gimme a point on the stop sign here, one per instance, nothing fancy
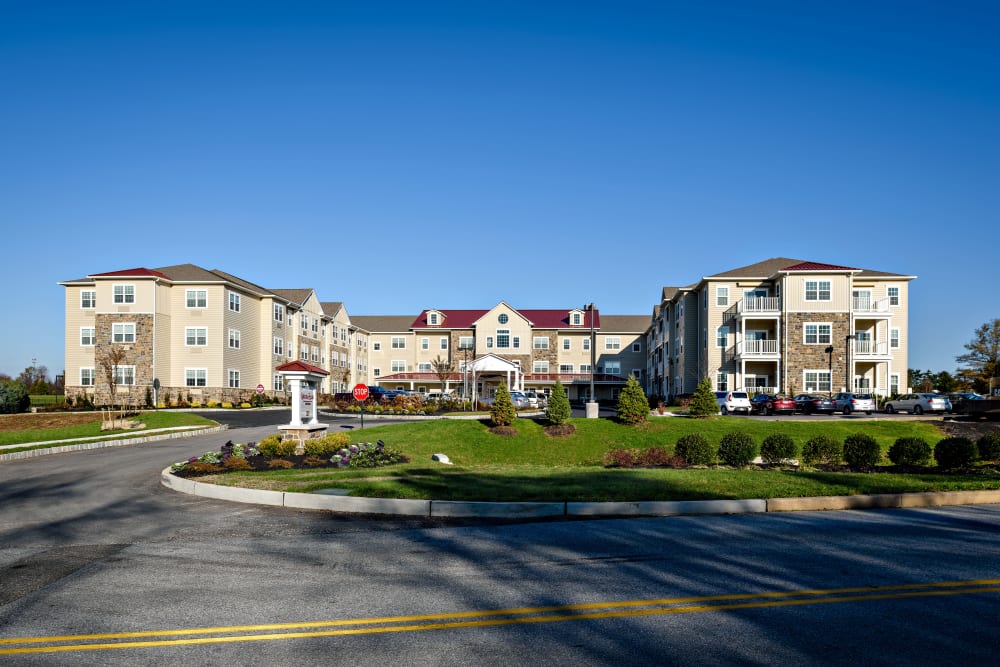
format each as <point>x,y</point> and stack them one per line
<point>360,391</point>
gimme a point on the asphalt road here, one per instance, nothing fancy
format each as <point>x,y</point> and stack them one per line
<point>95,551</point>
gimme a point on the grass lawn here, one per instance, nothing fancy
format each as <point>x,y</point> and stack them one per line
<point>532,466</point>
<point>29,428</point>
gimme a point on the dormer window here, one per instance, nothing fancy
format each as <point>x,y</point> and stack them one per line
<point>433,319</point>
<point>576,318</point>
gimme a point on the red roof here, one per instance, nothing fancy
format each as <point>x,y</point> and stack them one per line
<point>140,272</point>
<point>816,266</point>
<point>301,367</point>
<point>531,378</point>
<point>540,319</point>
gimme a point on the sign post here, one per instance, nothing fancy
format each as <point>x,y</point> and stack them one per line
<point>361,394</point>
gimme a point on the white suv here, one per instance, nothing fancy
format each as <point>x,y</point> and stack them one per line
<point>733,402</point>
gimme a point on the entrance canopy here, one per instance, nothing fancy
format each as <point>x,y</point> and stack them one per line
<point>491,364</point>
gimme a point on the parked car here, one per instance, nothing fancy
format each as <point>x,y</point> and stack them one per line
<point>519,399</point>
<point>536,399</point>
<point>959,400</point>
<point>809,404</point>
<point>917,404</point>
<point>772,404</point>
<point>731,402</point>
<point>848,402</point>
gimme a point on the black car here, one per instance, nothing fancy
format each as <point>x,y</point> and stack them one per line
<point>809,404</point>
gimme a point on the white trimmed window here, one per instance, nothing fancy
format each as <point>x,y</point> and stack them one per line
<point>489,342</point>
<point>424,367</point>
<point>722,337</point>
<point>288,348</point>
<point>817,381</point>
<point>399,342</point>
<point>279,313</point>
<point>303,321</point>
<point>721,381</point>
<point>315,325</point>
<point>540,342</point>
<point>87,377</point>
<point>425,343</point>
<point>234,378</point>
<point>432,319</point>
<point>304,352</point>
<point>124,375</point>
<point>516,342</point>
<point>893,383</point>
<point>234,302</point>
<point>398,366</point>
<point>817,290</point>
<point>612,343</point>
<point>722,295</point>
<point>817,333</point>
<point>88,336</point>
<point>613,367</point>
<point>195,336</point>
<point>196,298</point>
<point>637,346</point>
<point>444,342</point>
<point>278,382</point>
<point>123,332</point>
<point>376,372</point>
<point>567,368</point>
<point>503,338</point>
<point>376,346</point>
<point>893,292</point>
<point>195,377</point>
<point>466,342</point>
<point>539,366</point>
<point>894,338</point>
<point>584,368</point>
<point>124,293</point>
<point>88,298</point>
<point>567,344</point>
<point>577,319</point>
<point>586,344</point>
<point>234,339</point>
<point>279,346</point>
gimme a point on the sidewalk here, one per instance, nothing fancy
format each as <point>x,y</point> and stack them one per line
<point>81,444</point>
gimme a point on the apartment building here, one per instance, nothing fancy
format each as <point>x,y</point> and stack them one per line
<point>473,351</point>
<point>189,333</point>
<point>782,325</point>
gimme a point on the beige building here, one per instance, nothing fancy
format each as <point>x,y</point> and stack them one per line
<point>782,325</point>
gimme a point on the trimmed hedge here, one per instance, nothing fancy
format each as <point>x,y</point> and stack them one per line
<point>777,447</point>
<point>989,447</point>
<point>861,451</point>
<point>910,452</point>
<point>822,449</point>
<point>737,449</point>
<point>955,453</point>
<point>695,449</point>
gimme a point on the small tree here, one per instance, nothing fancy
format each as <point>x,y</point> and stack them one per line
<point>502,412</point>
<point>633,406</point>
<point>703,403</point>
<point>442,368</point>
<point>109,364</point>
<point>13,397</point>
<point>558,410</point>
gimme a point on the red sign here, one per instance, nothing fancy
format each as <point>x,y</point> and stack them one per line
<point>361,391</point>
<point>260,389</point>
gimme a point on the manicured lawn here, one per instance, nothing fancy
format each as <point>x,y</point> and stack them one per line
<point>29,428</point>
<point>532,466</point>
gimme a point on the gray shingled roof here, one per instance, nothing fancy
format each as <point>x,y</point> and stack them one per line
<point>297,296</point>
<point>382,323</point>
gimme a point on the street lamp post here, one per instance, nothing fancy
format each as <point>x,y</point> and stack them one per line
<point>829,351</point>
<point>592,404</point>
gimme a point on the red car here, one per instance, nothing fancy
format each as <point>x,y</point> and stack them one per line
<point>771,404</point>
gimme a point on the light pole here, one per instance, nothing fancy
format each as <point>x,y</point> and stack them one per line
<point>592,405</point>
<point>829,351</point>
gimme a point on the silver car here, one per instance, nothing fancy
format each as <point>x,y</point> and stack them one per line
<point>917,404</point>
<point>848,402</point>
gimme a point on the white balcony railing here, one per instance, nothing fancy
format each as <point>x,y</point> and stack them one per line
<point>871,348</point>
<point>865,304</point>
<point>758,304</point>
<point>757,348</point>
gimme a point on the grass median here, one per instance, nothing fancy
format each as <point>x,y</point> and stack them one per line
<point>531,466</point>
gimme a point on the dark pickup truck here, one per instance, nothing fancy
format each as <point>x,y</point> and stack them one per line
<point>985,409</point>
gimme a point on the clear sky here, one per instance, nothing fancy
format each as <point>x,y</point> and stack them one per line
<point>398,156</point>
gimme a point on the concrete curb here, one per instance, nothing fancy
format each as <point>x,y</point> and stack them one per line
<point>82,446</point>
<point>529,510</point>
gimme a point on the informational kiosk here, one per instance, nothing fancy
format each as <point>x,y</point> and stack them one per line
<point>303,381</point>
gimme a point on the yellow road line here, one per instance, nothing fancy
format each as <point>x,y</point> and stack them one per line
<point>521,615</point>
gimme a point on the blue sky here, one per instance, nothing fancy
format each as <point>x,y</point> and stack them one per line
<point>400,156</point>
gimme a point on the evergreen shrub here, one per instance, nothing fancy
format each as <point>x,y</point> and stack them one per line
<point>909,452</point>
<point>695,449</point>
<point>737,449</point>
<point>989,447</point>
<point>822,449</point>
<point>861,451</point>
<point>777,447</point>
<point>955,452</point>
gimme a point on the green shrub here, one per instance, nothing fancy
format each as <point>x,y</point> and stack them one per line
<point>558,410</point>
<point>633,406</point>
<point>327,445</point>
<point>989,447</point>
<point>273,445</point>
<point>502,412</point>
<point>737,449</point>
<point>822,449</point>
<point>910,452</point>
<point>778,447</point>
<point>14,397</point>
<point>861,451</point>
<point>703,403</point>
<point>955,453</point>
<point>369,455</point>
<point>695,449</point>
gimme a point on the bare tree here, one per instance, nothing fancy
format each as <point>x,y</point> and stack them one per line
<point>443,368</point>
<point>109,363</point>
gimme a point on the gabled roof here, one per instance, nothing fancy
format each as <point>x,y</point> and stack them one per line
<point>331,308</point>
<point>297,297</point>
<point>301,367</point>
<point>131,273</point>
<point>539,319</point>
<point>185,273</point>
<point>382,323</point>
<point>769,268</point>
<point>816,266</point>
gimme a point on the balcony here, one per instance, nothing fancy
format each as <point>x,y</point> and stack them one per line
<point>865,305</point>
<point>755,306</point>
<point>757,349</point>
<point>866,350</point>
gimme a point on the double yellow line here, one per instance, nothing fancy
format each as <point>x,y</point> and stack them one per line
<point>486,618</point>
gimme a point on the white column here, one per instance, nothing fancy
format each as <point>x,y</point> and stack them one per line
<point>295,387</point>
